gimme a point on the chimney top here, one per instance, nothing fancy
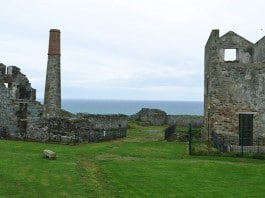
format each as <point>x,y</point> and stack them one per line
<point>54,30</point>
<point>54,42</point>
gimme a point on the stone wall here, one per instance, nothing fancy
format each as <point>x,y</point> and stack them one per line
<point>259,51</point>
<point>185,120</point>
<point>104,127</point>
<point>151,116</point>
<point>233,87</point>
<point>17,83</point>
<point>81,128</point>
<point>106,122</point>
<point>60,129</point>
<point>17,102</point>
<point>158,117</point>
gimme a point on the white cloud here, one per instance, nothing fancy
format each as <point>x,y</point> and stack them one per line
<point>145,49</point>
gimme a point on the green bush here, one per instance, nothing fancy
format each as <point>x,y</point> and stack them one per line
<point>204,148</point>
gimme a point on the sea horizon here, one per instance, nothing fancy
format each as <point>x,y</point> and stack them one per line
<point>130,107</point>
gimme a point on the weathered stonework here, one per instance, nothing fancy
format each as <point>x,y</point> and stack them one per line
<point>52,97</point>
<point>17,103</point>
<point>151,116</point>
<point>21,116</point>
<point>77,129</point>
<point>234,88</point>
<point>106,122</point>
<point>185,120</point>
<point>158,117</point>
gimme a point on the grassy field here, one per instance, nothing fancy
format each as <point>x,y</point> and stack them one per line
<point>141,165</point>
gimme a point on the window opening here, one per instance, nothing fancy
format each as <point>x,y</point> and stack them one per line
<point>230,55</point>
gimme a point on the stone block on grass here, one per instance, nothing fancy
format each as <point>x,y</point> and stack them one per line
<point>49,154</point>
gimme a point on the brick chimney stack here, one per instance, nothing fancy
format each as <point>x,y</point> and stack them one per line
<point>54,42</point>
<point>52,96</point>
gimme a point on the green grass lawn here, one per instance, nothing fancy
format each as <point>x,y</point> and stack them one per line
<point>141,165</point>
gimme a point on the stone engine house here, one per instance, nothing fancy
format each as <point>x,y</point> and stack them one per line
<point>234,87</point>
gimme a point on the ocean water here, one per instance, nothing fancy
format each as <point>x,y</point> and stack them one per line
<point>130,107</point>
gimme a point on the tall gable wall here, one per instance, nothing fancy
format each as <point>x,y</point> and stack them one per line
<point>234,87</point>
<point>259,51</point>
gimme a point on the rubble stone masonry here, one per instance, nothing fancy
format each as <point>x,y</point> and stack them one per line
<point>22,117</point>
<point>52,97</point>
<point>234,87</point>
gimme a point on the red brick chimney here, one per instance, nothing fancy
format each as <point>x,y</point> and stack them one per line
<point>54,42</point>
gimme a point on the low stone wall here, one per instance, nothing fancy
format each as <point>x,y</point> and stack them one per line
<point>66,130</point>
<point>185,120</point>
<point>82,128</point>
<point>107,122</point>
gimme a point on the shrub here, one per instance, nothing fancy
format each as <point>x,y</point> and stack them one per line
<point>204,148</point>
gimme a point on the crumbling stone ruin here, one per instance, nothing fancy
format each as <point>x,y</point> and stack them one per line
<point>151,116</point>
<point>158,117</point>
<point>22,117</point>
<point>18,106</point>
<point>234,88</point>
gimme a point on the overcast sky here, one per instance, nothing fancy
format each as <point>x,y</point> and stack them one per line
<point>123,49</point>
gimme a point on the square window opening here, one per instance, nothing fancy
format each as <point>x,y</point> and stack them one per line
<point>230,55</point>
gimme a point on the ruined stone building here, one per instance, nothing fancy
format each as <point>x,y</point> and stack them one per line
<point>234,87</point>
<point>18,105</point>
<point>22,117</point>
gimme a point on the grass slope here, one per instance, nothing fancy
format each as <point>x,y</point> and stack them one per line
<point>141,165</point>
